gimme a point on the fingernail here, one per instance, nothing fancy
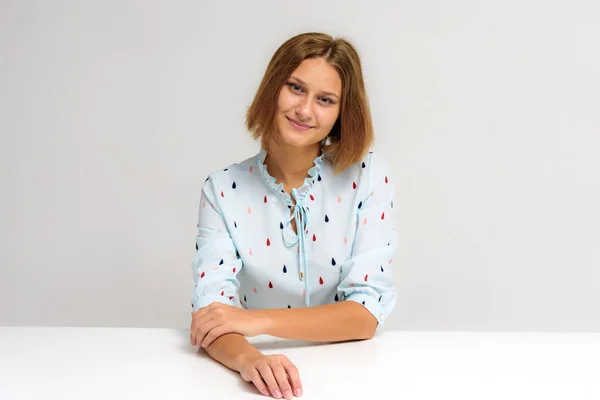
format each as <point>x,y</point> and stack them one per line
<point>287,394</point>
<point>277,393</point>
<point>298,392</point>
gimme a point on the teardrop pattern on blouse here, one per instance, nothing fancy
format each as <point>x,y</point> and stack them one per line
<point>323,227</point>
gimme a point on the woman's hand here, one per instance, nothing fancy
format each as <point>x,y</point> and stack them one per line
<point>272,375</point>
<point>216,319</point>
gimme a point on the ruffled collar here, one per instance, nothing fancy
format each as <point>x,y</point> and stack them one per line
<point>299,193</point>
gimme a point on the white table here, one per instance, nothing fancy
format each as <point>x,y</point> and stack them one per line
<point>135,363</point>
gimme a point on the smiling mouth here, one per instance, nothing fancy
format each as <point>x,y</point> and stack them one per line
<point>298,125</point>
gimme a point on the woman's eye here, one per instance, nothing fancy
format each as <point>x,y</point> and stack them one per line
<point>295,87</point>
<point>327,100</point>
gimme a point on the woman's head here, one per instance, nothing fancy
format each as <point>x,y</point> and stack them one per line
<point>316,81</point>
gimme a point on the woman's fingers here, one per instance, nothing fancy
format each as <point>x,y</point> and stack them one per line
<point>282,380</point>
<point>294,377</point>
<point>214,333</point>
<point>273,375</point>
<point>257,379</point>
<point>267,375</point>
<point>193,333</point>
<point>201,330</point>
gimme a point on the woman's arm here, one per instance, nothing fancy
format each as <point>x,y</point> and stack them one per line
<point>230,350</point>
<point>346,320</point>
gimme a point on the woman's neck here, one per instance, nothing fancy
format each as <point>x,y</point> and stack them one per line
<point>290,165</point>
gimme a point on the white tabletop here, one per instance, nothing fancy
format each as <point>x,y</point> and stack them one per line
<point>135,363</point>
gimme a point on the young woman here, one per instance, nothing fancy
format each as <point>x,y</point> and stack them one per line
<point>301,234</point>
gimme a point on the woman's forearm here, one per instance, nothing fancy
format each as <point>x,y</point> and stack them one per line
<point>337,322</point>
<point>230,350</point>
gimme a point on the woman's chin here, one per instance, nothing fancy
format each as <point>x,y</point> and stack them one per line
<point>296,139</point>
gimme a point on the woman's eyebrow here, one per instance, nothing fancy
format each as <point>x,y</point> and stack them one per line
<point>304,83</point>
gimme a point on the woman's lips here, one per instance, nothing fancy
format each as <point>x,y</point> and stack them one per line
<point>297,126</point>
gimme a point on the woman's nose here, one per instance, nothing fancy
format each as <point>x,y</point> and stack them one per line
<point>303,110</point>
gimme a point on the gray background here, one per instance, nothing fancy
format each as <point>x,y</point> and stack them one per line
<point>112,113</point>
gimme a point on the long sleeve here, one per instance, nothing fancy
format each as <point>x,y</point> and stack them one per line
<point>216,263</point>
<point>367,276</point>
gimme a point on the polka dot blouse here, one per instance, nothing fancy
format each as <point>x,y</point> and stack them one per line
<point>247,253</point>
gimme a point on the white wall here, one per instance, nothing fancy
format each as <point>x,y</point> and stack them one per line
<point>112,113</point>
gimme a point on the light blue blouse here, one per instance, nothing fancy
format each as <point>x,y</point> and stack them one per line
<point>248,254</point>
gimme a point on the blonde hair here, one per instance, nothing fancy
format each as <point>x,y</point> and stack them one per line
<point>352,134</point>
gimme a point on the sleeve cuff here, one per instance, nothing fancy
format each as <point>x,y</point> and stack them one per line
<point>199,303</point>
<point>372,305</point>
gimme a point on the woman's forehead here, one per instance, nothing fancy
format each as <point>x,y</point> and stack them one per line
<point>319,75</point>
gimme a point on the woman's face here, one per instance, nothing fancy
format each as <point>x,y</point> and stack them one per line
<point>308,104</point>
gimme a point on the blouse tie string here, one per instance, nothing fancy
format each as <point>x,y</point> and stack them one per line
<point>301,217</point>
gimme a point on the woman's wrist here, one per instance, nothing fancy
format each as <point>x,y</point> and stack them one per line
<point>246,356</point>
<point>265,321</point>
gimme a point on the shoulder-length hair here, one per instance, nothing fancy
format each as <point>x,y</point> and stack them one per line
<point>352,134</point>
